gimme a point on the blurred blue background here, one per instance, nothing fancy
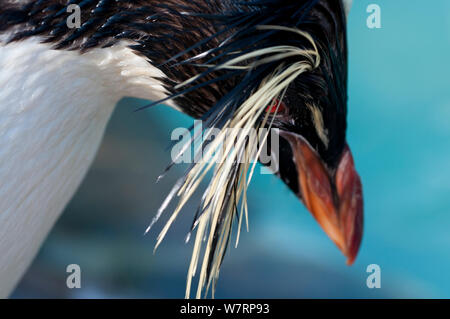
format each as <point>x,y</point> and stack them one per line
<point>399,132</point>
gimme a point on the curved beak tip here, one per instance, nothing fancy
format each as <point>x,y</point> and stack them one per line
<point>336,202</point>
<point>351,260</point>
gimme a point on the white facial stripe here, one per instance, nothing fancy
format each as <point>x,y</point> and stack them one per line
<point>317,118</point>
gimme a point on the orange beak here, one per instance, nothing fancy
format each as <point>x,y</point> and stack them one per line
<point>335,200</point>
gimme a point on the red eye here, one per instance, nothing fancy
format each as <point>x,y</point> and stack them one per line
<point>272,108</point>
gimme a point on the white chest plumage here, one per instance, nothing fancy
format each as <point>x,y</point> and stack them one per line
<point>54,106</point>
